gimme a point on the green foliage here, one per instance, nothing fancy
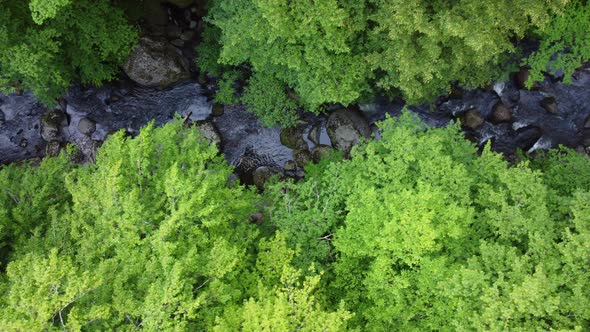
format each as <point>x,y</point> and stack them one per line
<point>47,45</point>
<point>208,52</point>
<point>565,44</point>
<point>28,196</point>
<point>285,300</point>
<point>146,239</point>
<point>265,96</point>
<point>227,92</point>
<point>334,51</point>
<point>418,232</point>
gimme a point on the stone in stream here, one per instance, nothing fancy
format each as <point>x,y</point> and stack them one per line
<point>501,113</point>
<point>314,133</point>
<point>86,126</point>
<point>51,124</point>
<point>319,152</point>
<point>549,104</point>
<point>302,157</point>
<point>262,174</point>
<point>210,132</point>
<point>218,110</point>
<point>156,63</point>
<point>187,35</point>
<point>290,166</point>
<point>527,137</point>
<point>472,119</point>
<point>346,128</point>
<point>293,138</point>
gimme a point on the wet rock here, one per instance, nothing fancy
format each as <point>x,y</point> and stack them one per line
<point>293,138</point>
<point>51,124</point>
<point>527,137</point>
<point>302,157</point>
<point>156,63</point>
<point>218,110</point>
<point>262,174</point>
<point>501,113</point>
<point>549,104</point>
<point>290,166</point>
<point>319,152</point>
<point>53,148</point>
<point>86,126</point>
<point>587,124</point>
<point>314,133</point>
<point>177,42</point>
<point>187,35</point>
<point>346,128</point>
<point>210,132</point>
<point>2,118</point>
<point>472,119</point>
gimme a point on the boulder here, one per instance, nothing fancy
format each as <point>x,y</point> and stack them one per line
<point>51,124</point>
<point>210,132</point>
<point>549,104</point>
<point>314,133</point>
<point>346,128</point>
<point>156,63</point>
<point>262,174</point>
<point>293,138</point>
<point>501,113</point>
<point>302,157</point>
<point>86,126</point>
<point>472,119</point>
<point>290,166</point>
<point>218,109</point>
<point>319,152</point>
<point>187,35</point>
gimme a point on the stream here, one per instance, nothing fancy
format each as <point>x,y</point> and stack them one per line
<point>553,114</point>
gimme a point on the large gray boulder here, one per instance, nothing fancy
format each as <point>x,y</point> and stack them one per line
<point>346,128</point>
<point>156,63</point>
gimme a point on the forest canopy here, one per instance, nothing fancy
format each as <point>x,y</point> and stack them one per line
<point>278,57</point>
<point>416,231</point>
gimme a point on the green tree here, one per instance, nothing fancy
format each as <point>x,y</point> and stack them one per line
<point>49,44</point>
<point>335,51</point>
<point>418,232</point>
<point>565,44</point>
<point>147,239</point>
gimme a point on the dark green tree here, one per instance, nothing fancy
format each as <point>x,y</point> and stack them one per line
<point>336,51</point>
<point>49,44</point>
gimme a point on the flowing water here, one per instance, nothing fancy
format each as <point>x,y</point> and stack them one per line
<point>123,105</point>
